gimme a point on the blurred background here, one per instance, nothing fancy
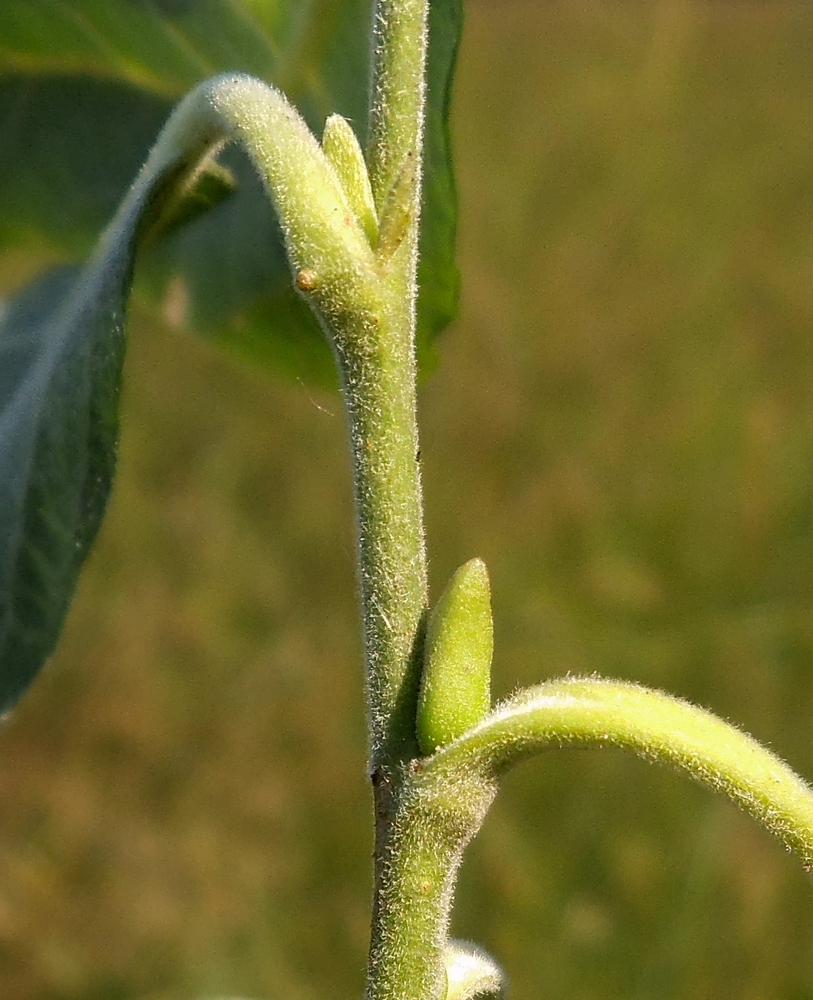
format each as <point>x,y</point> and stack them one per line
<point>620,424</point>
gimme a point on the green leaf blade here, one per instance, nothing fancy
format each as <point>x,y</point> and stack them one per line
<point>438,275</point>
<point>61,357</point>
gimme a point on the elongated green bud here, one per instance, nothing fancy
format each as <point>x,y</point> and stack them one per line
<point>343,151</point>
<point>456,683</point>
<point>396,212</point>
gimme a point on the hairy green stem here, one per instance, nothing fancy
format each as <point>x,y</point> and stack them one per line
<point>323,238</point>
<point>379,390</point>
<point>398,89</point>
<point>590,712</point>
<point>383,422</point>
<point>379,382</point>
<point>434,821</point>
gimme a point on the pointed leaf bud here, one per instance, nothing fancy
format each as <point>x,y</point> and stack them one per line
<point>343,151</point>
<point>456,683</point>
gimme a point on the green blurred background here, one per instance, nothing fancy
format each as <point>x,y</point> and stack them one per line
<point>621,425</point>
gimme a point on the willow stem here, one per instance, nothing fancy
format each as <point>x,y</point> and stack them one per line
<point>379,379</point>
<point>379,383</point>
<point>592,712</point>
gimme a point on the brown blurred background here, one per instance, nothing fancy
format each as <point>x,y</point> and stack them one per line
<point>621,425</point>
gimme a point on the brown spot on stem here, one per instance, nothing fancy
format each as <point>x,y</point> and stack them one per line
<point>306,280</point>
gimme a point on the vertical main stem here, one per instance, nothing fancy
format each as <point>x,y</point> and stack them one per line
<point>379,381</point>
<point>380,386</point>
<point>398,89</point>
<point>379,390</point>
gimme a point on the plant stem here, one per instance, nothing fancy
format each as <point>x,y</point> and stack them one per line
<point>398,89</point>
<point>435,819</point>
<point>379,379</point>
<point>593,712</point>
<point>378,371</point>
<point>379,390</point>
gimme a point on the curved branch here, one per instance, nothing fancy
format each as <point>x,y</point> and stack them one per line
<point>330,256</point>
<point>591,712</point>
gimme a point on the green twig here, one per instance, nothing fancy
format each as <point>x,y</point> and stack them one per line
<point>379,381</point>
<point>589,712</point>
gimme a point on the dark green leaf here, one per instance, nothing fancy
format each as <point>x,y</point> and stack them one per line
<point>59,384</point>
<point>84,88</point>
<point>438,277</point>
<point>61,353</point>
